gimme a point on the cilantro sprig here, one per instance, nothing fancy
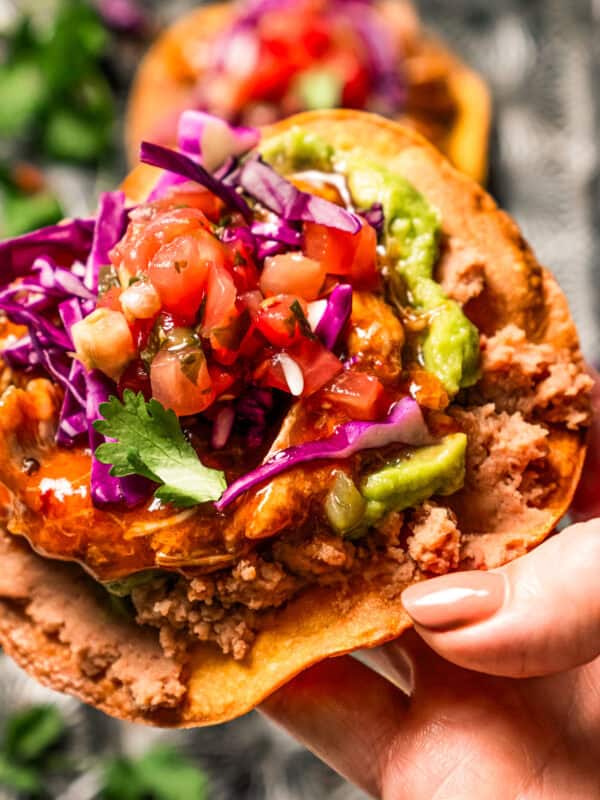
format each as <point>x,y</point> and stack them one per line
<point>148,441</point>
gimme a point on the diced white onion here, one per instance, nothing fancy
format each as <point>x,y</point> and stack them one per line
<point>222,427</point>
<point>140,301</point>
<point>293,374</point>
<point>315,313</point>
<point>103,341</point>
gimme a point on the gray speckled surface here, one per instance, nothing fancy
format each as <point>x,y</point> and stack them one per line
<point>542,59</point>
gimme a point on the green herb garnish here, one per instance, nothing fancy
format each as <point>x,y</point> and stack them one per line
<point>149,442</point>
<point>160,774</point>
<point>30,739</point>
<point>303,323</point>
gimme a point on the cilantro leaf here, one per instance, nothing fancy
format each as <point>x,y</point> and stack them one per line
<point>149,442</point>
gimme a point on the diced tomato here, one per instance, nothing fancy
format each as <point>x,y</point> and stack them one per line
<point>221,295</point>
<point>222,379</point>
<point>243,269</point>
<point>144,238</point>
<point>136,378</point>
<point>278,323</point>
<point>226,341</point>
<point>110,299</point>
<point>141,330</point>
<point>194,196</point>
<point>357,83</point>
<point>316,39</point>
<point>292,273</point>
<point>251,301</point>
<point>358,394</point>
<point>270,373</point>
<point>181,381</point>
<point>318,364</point>
<point>252,342</point>
<point>341,253</point>
<point>180,272</point>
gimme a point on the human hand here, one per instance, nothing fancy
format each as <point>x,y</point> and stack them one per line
<point>494,695</point>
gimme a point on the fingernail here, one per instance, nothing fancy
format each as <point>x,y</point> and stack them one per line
<point>456,600</point>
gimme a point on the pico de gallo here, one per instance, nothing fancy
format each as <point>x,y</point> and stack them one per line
<point>224,299</point>
<point>278,58</point>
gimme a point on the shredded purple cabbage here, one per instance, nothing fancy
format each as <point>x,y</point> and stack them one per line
<point>277,231</point>
<point>277,194</point>
<point>68,242</point>
<point>107,490</point>
<point>240,234</point>
<point>389,87</point>
<point>180,164</point>
<point>269,247</point>
<point>404,424</point>
<point>123,16</point>
<point>20,354</point>
<point>375,217</point>
<point>252,409</point>
<point>336,316</point>
<point>111,223</point>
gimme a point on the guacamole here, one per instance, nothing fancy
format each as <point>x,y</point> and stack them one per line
<point>451,344</point>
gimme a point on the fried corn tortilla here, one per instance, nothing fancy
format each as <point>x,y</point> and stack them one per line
<point>525,418</point>
<point>446,101</point>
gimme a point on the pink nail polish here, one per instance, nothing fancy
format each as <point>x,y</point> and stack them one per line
<point>455,600</point>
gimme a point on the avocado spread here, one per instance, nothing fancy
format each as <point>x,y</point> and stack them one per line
<point>416,475</point>
<point>450,345</point>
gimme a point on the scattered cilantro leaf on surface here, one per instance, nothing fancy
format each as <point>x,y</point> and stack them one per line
<point>29,749</point>
<point>161,774</point>
<point>31,733</point>
<point>19,778</point>
<point>149,442</point>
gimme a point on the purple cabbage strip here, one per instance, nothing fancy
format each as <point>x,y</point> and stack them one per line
<point>336,315</point>
<point>46,332</point>
<point>70,241</point>
<point>253,408</point>
<point>111,223</point>
<point>280,196</point>
<point>375,217</point>
<point>123,16</point>
<point>21,354</point>
<point>107,490</point>
<point>54,359</point>
<point>72,421</point>
<point>268,248</point>
<point>278,231</point>
<point>404,424</point>
<point>180,164</point>
<point>384,64</point>
<point>57,281</point>
<point>230,235</point>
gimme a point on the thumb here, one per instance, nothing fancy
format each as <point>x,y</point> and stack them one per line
<point>536,616</point>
